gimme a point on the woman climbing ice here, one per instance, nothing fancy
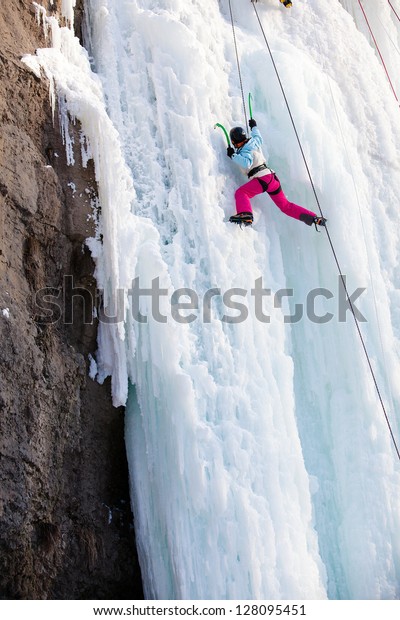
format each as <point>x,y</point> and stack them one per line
<point>250,158</point>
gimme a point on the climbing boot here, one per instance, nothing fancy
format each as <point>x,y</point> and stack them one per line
<point>286,3</point>
<point>243,219</point>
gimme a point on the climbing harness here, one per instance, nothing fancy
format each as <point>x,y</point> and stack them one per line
<point>266,185</point>
<point>341,276</point>
<point>254,171</point>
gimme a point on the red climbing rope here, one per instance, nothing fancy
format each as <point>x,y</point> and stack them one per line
<point>394,10</point>
<point>377,47</point>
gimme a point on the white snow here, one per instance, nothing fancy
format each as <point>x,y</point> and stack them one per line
<point>260,459</point>
<point>6,313</point>
<point>33,64</point>
<point>67,10</point>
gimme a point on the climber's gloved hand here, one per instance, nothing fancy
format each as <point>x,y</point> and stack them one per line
<point>230,151</point>
<point>252,123</point>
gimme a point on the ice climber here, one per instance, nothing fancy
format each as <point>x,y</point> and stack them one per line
<point>250,159</point>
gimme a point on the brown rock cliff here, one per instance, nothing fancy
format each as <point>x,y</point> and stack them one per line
<point>65,523</point>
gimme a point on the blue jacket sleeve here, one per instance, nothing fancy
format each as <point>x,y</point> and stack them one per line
<point>244,159</point>
<point>257,137</point>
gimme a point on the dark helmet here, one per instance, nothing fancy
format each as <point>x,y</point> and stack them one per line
<point>237,135</point>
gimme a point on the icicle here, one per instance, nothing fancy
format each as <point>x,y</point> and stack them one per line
<point>86,151</point>
<point>67,10</point>
<point>41,18</point>
<point>68,140</point>
<point>55,32</point>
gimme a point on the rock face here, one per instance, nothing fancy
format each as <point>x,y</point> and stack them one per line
<point>65,522</point>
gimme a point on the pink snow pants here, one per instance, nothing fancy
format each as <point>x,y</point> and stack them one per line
<point>253,188</point>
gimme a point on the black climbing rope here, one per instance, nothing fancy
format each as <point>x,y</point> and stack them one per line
<point>342,277</point>
<point>238,64</point>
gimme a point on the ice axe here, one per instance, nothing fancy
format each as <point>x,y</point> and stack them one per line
<point>225,132</point>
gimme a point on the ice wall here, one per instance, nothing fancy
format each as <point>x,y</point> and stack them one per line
<point>261,463</point>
